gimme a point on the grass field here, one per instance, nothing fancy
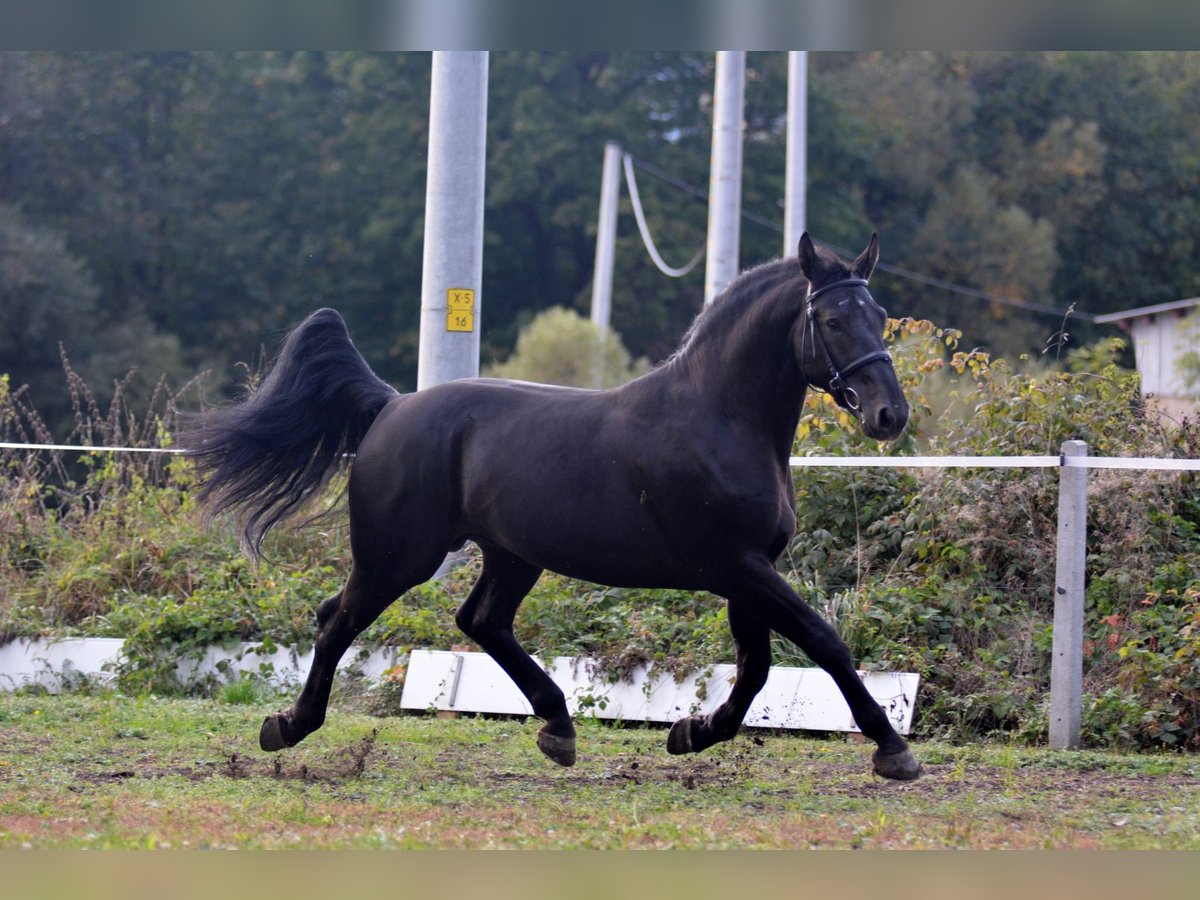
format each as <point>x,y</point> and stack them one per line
<point>108,771</point>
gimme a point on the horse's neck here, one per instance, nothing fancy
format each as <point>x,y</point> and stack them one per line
<point>750,375</point>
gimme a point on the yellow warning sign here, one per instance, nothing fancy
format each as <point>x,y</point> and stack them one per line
<point>460,309</point>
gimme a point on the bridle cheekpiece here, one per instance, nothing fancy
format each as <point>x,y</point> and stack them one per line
<point>844,394</point>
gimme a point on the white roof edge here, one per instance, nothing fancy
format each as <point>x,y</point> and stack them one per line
<point>1147,310</point>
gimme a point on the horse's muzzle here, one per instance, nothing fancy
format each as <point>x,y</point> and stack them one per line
<point>884,421</point>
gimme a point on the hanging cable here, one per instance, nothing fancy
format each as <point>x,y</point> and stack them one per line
<point>640,215</point>
<point>899,272</point>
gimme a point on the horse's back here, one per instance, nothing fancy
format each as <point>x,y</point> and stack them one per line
<point>459,441</point>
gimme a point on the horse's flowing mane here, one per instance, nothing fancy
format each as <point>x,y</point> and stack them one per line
<point>731,309</point>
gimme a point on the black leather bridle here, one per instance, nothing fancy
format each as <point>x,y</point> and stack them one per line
<point>845,395</point>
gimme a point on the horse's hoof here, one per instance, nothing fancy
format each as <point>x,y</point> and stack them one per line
<point>902,766</point>
<point>682,738</point>
<point>559,749</point>
<point>273,735</point>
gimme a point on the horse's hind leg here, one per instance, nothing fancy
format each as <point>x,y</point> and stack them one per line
<point>487,618</point>
<point>752,640</point>
<point>340,619</point>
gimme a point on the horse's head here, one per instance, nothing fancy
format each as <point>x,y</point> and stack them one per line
<point>840,340</point>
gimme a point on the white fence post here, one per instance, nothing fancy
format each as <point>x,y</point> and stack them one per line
<point>1066,668</point>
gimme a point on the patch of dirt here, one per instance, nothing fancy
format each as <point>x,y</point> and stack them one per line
<point>346,764</point>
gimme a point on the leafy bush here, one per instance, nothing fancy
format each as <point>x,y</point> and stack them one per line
<point>110,545</point>
<point>950,573</point>
<point>624,628</point>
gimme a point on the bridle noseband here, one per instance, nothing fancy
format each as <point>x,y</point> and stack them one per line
<point>842,392</point>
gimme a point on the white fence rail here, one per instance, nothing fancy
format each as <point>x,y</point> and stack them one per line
<point>1064,461</point>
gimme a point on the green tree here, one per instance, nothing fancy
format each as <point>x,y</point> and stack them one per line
<point>971,237</point>
<point>49,299</point>
<point>216,198</point>
<point>46,296</point>
<point>1101,147</point>
<point>1115,135</point>
<point>549,117</point>
<point>562,347</point>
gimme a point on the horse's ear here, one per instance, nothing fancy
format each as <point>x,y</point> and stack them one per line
<point>808,256</point>
<point>865,264</point>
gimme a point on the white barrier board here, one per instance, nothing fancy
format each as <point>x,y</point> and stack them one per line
<point>472,682</point>
<point>50,664</point>
<point>53,664</point>
<point>794,698</point>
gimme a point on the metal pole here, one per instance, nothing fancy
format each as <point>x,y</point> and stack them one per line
<point>794,211</point>
<point>606,236</point>
<point>725,174</point>
<point>1066,667</point>
<point>453,261</point>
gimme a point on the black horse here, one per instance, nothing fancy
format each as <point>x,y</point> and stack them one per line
<point>678,479</point>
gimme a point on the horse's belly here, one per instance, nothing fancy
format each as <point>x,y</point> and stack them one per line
<point>576,539</point>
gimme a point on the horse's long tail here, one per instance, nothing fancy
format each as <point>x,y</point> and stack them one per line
<point>266,457</point>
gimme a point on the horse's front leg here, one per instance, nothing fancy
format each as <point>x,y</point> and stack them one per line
<point>765,593</point>
<point>752,642</point>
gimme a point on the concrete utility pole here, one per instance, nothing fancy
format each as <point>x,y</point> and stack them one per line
<point>725,174</point>
<point>794,211</point>
<point>453,263</point>
<point>606,236</point>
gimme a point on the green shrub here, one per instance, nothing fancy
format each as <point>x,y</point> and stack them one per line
<point>950,573</point>
<point>623,628</point>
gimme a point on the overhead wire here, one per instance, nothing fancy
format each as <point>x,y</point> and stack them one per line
<point>898,271</point>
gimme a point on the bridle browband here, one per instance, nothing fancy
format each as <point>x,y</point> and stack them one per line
<point>842,392</point>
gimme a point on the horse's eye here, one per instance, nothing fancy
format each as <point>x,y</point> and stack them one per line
<point>834,324</point>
